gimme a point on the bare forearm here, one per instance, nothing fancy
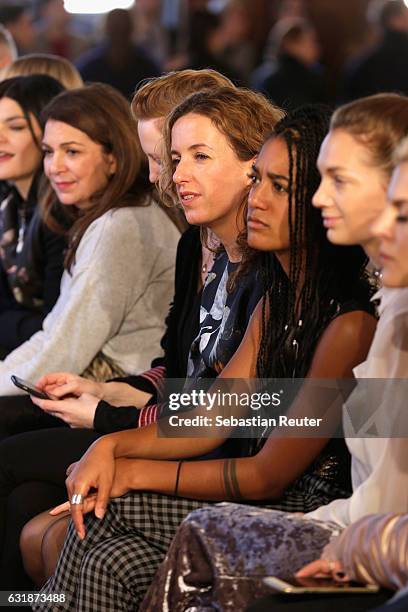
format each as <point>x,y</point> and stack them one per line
<point>146,443</point>
<point>215,480</point>
<point>265,475</point>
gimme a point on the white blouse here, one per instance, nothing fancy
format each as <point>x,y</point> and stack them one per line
<point>379,467</point>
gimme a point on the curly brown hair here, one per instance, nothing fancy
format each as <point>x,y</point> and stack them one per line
<point>244,117</point>
<point>157,97</point>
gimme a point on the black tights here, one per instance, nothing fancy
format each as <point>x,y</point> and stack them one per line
<point>18,414</point>
<point>32,479</point>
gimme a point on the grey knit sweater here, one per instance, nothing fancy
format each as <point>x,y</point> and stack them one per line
<point>114,300</point>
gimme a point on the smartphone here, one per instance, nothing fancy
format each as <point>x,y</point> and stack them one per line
<point>314,586</point>
<point>30,388</point>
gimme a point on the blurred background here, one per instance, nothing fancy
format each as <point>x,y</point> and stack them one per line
<point>295,51</point>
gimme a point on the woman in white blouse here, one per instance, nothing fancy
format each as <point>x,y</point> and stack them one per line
<point>373,549</point>
<point>379,464</point>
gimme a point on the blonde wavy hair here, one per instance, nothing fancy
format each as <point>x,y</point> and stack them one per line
<point>42,63</point>
<point>378,122</point>
<point>401,152</point>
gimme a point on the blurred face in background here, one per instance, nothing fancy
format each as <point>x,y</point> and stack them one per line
<point>23,32</point>
<point>305,47</point>
<point>392,231</point>
<point>54,13</point>
<point>352,192</point>
<point>151,139</point>
<point>6,56</point>
<point>399,21</point>
<point>148,7</point>
<point>291,8</point>
<point>20,155</point>
<point>78,168</point>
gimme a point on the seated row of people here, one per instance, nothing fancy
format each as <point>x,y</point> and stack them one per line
<point>76,441</point>
<point>220,554</point>
<point>99,199</point>
<point>282,300</point>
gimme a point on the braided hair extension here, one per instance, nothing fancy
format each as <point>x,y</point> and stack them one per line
<point>294,317</point>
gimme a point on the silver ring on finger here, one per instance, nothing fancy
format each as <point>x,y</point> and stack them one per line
<point>76,499</point>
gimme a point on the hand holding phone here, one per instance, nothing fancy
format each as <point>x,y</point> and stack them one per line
<point>315,586</point>
<point>30,388</point>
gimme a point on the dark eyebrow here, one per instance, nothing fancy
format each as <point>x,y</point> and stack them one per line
<point>64,144</point>
<point>71,142</point>
<point>280,177</point>
<point>399,203</point>
<point>15,117</point>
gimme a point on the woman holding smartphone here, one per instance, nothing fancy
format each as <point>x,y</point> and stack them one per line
<point>117,328</point>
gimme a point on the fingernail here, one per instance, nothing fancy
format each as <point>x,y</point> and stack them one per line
<point>99,513</point>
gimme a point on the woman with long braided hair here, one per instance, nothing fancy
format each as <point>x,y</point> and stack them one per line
<point>111,563</point>
<point>308,284</point>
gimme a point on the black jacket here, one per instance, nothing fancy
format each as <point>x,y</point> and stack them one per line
<point>292,84</point>
<point>182,324</point>
<point>18,321</point>
<point>383,70</point>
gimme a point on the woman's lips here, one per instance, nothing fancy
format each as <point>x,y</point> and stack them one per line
<point>330,221</point>
<point>5,157</point>
<point>255,223</point>
<point>385,257</point>
<point>187,197</point>
<point>63,186</point>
